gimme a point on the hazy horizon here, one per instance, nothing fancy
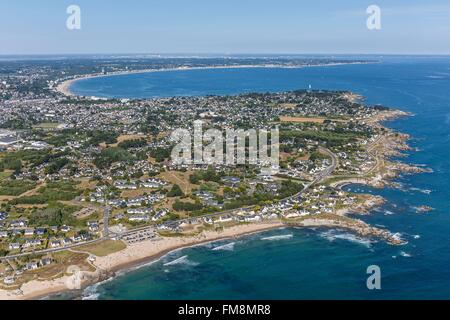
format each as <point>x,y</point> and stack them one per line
<point>285,27</point>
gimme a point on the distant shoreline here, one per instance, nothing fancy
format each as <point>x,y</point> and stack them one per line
<point>64,86</point>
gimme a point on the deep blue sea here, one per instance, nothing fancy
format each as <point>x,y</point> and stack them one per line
<point>306,263</point>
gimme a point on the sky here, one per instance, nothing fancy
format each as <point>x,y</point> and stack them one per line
<point>225,27</point>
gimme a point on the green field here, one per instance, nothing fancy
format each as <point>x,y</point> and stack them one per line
<point>104,248</point>
<point>46,126</point>
<point>15,187</point>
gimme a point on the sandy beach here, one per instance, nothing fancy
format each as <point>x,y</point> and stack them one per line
<point>64,87</point>
<point>133,256</point>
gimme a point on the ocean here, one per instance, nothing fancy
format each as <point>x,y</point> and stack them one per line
<point>315,263</point>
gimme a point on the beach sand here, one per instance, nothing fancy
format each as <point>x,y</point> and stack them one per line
<point>151,250</point>
<point>64,87</point>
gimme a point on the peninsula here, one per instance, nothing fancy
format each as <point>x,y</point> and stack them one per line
<point>88,187</point>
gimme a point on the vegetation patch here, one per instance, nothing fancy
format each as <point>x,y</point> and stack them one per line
<point>110,155</point>
<point>51,192</point>
<point>15,187</point>
<point>104,248</point>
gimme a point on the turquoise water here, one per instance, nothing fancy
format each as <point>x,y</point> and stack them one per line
<point>313,264</point>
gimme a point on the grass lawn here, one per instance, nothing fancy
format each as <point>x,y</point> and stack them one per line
<point>15,187</point>
<point>4,175</point>
<point>179,178</point>
<point>104,248</point>
<point>302,119</point>
<point>46,126</point>
<point>63,260</point>
<point>125,137</point>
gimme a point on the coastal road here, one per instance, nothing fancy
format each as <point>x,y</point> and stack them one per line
<point>52,250</point>
<point>370,151</point>
<point>106,214</point>
<point>324,174</point>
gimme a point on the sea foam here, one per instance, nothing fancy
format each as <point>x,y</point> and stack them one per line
<point>226,247</point>
<point>182,260</point>
<point>404,254</point>
<point>276,238</point>
<point>333,235</point>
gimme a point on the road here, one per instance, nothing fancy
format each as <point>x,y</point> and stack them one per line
<point>53,250</point>
<point>106,214</point>
<point>370,150</point>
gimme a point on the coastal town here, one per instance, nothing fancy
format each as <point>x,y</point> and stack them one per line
<point>89,182</point>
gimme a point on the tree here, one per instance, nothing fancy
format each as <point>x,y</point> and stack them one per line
<point>175,192</point>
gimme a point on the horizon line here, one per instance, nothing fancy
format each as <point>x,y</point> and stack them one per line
<point>224,54</point>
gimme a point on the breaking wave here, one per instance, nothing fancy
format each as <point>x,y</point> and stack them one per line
<point>398,236</point>
<point>90,293</point>
<point>405,254</point>
<point>182,260</point>
<point>424,191</point>
<point>276,238</point>
<point>333,235</point>
<point>226,247</point>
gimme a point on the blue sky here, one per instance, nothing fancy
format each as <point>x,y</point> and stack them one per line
<point>224,26</point>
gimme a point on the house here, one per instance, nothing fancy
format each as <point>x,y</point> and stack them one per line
<point>9,139</point>
<point>153,183</point>
<point>14,246</point>
<point>3,216</point>
<point>46,261</point>
<point>18,224</point>
<point>139,218</point>
<point>84,236</point>
<point>29,232</point>
<point>252,219</point>
<point>117,202</point>
<point>208,220</point>
<point>119,216</point>
<point>140,210</point>
<point>8,280</point>
<point>32,243</point>
<point>226,218</point>
<point>31,266</point>
<point>3,234</point>
<point>160,214</point>
<point>93,226</point>
<point>137,202</point>
<point>123,185</point>
<point>65,229</point>
<point>231,181</point>
<point>41,231</point>
<point>16,232</point>
<point>55,243</point>
<point>205,195</point>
